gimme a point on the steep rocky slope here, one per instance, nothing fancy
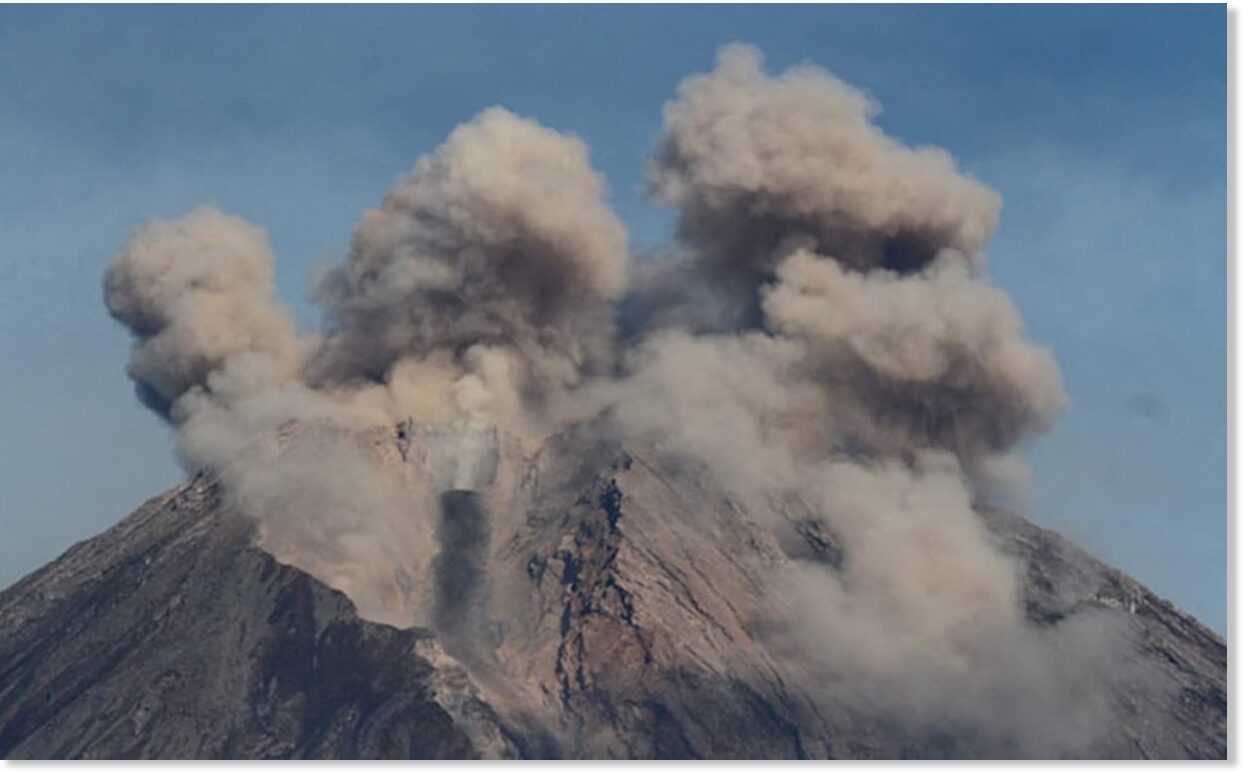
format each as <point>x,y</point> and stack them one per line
<point>170,636</point>
<point>620,612</point>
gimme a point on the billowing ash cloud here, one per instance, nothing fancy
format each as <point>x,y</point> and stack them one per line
<point>814,226</point>
<point>758,165</point>
<point>197,294</point>
<point>931,359</point>
<point>818,334</point>
<point>497,241</point>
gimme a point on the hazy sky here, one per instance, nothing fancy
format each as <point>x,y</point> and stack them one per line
<point>1104,129</point>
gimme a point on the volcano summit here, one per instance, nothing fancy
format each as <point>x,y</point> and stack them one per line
<point>623,610</point>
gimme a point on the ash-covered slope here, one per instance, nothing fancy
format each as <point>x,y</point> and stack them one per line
<point>1186,715</point>
<point>171,636</point>
<point>615,608</point>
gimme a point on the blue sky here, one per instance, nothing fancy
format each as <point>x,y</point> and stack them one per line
<point>1104,129</point>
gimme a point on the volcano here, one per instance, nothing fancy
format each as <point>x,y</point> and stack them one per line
<point>525,494</point>
<point>590,602</point>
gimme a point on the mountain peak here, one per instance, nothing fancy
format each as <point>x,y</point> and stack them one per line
<point>587,601</point>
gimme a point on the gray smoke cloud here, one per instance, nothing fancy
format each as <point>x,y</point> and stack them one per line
<point>197,294</point>
<point>460,572</point>
<point>931,359</point>
<point>329,501</point>
<point>820,333</point>
<point>497,242</point>
<point>481,287</point>
<point>820,336</point>
<point>758,165</point>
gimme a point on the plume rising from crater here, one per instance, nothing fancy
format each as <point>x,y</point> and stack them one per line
<point>817,358</point>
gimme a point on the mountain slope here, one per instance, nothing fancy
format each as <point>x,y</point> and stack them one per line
<point>170,636</point>
<point>622,613</point>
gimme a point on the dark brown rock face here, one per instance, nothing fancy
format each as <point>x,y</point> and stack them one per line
<point>172,635</point>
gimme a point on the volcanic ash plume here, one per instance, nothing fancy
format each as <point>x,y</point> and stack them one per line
<point>819,334</point>
<point>932,359</point>
<point>197,294</point>
<point>850,359</point>
<point>496,257</point>
<point>818,229</point>
<point>758,165</point>
<point>481,288</point>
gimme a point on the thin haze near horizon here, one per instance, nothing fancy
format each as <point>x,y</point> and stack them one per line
<point>1102,128</point>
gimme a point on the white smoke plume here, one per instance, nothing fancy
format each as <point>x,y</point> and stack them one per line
<point>819,333</point>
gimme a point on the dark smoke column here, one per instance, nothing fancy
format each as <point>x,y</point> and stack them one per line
<point>458,612</point>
